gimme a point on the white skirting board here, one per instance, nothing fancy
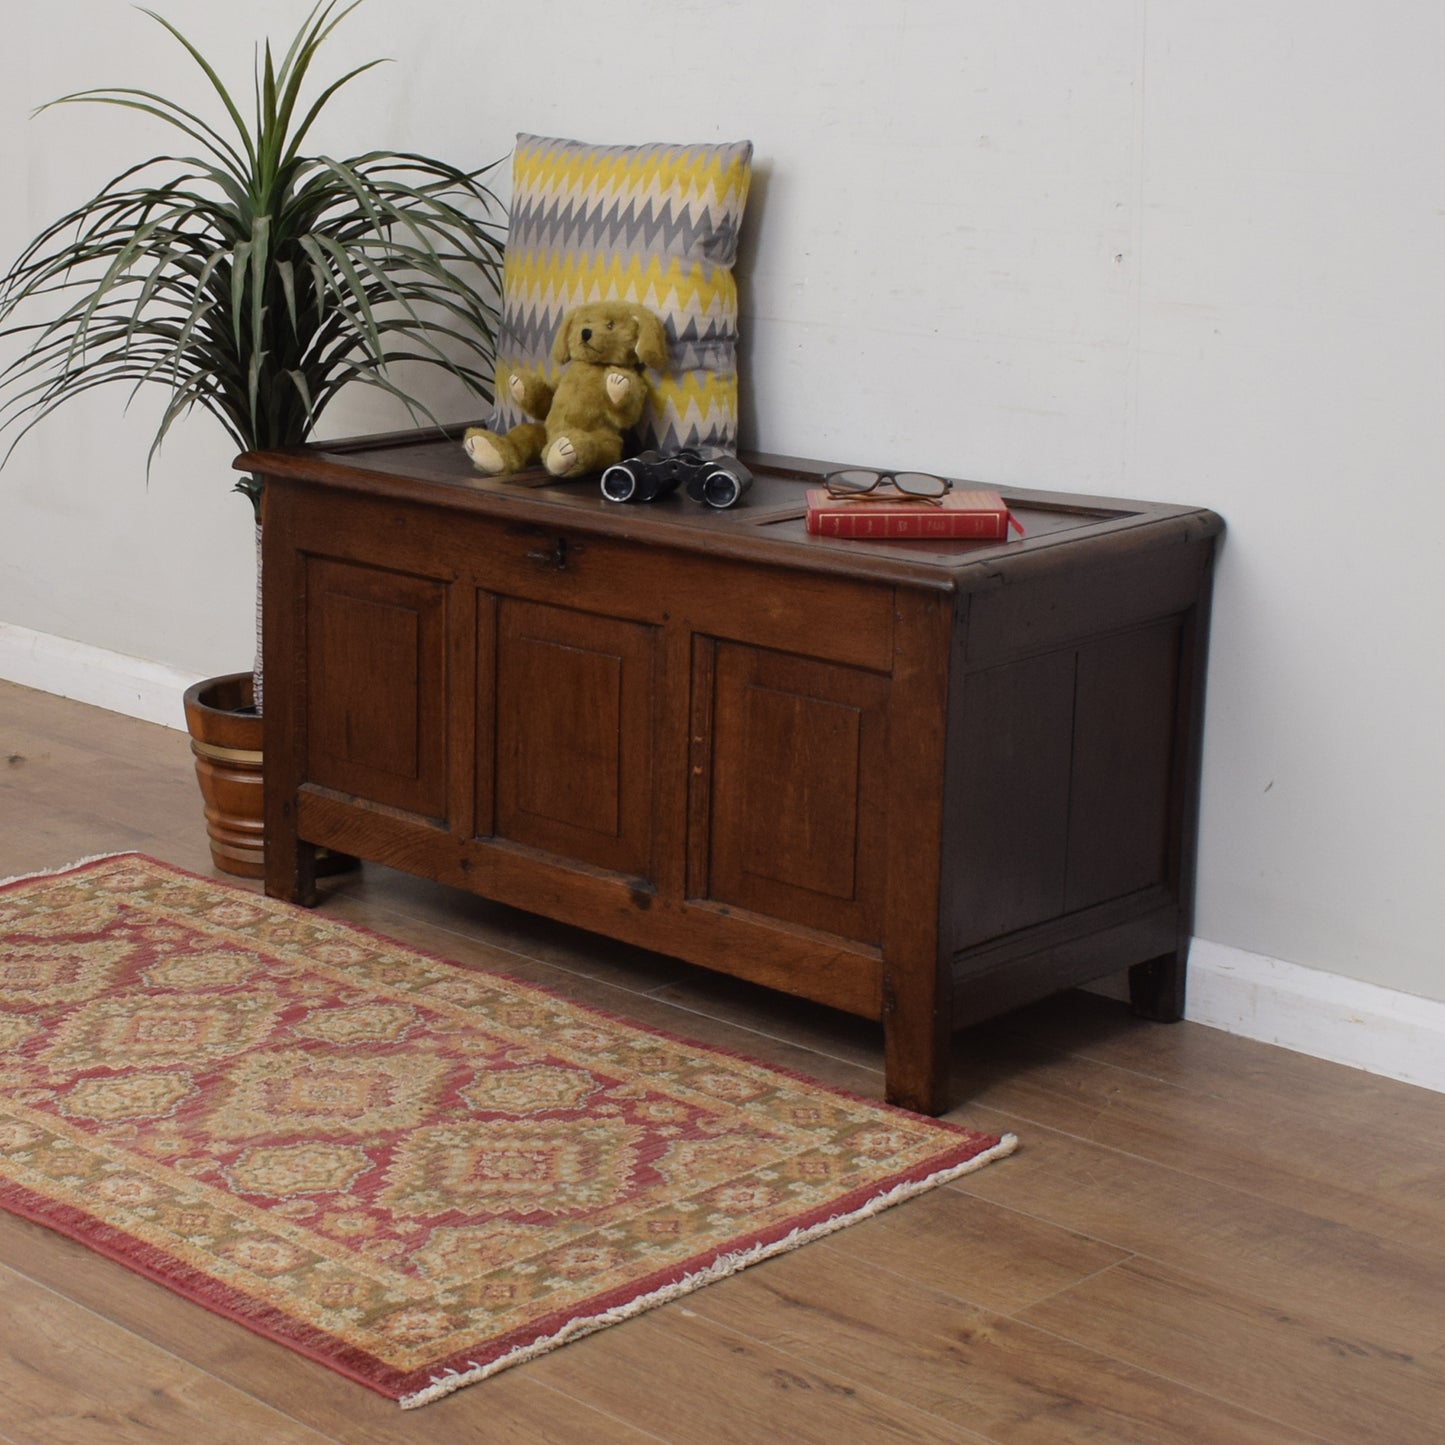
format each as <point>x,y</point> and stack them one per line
<point>1312,1012</point>
<point>128,685</point>
<point>1325,1015</point>
<point>1380,1030</point>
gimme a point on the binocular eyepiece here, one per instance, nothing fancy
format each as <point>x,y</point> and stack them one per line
<point>711,476</point>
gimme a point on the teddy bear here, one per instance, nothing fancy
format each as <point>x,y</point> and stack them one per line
<point>604,348</point>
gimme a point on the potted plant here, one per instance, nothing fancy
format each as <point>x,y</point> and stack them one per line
<point>253,281</point>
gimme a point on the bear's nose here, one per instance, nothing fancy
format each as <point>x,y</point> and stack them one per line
<point>587,333</point>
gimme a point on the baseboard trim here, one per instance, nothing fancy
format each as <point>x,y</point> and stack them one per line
<point>110,680</point>
<point>1381,1030</point>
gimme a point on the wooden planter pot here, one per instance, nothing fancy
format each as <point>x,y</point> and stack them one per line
<point>226,740</point>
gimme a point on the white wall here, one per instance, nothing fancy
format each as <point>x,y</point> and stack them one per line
<point>1190,250</point>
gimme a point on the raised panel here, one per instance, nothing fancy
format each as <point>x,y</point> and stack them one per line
<point>800,828</point>
<point>1007,803</point>
<point>797,805</point>
<point>574,720</point>
<point>375,685</point>
<point>1059,794</point>
<point>1124,729</point>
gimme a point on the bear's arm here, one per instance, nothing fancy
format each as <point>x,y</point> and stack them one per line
<point>625,395</point>
<point>532,393</point>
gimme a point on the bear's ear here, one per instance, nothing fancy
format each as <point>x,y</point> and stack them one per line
<point>651,343</point>
<point>562,343</point>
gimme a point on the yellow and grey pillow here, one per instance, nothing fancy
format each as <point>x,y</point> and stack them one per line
<point>653,224</point>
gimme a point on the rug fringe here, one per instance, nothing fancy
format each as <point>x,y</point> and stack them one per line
<point>720,1268</point>
<point>69,867</point>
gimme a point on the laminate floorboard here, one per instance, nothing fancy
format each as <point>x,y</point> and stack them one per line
<point>1200,1238</point>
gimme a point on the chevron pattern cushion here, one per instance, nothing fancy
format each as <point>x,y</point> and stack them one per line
<point>656,225</point>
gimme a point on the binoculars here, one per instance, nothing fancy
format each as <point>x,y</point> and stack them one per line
<point>711,477</point>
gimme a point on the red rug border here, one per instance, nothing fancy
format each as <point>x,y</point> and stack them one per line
<point>971,1149</point>
<point>152,1263</point>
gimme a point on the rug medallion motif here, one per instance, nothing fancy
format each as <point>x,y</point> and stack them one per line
<point>410,1171</point>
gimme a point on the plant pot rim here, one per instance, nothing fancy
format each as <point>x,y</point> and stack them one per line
<point>229,694</point>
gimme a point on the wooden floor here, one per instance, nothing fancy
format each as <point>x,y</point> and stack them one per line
<point>1200,1238</point>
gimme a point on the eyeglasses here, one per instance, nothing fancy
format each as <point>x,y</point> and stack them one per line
<point>862,484</point>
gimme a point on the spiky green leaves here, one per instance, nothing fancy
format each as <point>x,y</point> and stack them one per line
<point>248,279</point>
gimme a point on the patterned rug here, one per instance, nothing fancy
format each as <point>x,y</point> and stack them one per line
<point>412,1172</point>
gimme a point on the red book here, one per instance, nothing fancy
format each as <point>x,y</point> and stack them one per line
<point>980,514</point>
